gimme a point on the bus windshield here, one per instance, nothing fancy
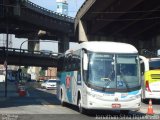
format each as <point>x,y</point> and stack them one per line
<point>113,72</point>
<point>154,64</point>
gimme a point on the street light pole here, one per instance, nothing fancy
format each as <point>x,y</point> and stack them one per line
<point>29,41</point>
<point>20,52</point>
<point>19,71</point>
<point>6,58</point>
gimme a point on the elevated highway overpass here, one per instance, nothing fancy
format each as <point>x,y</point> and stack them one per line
<point>131,21</point>
<point>28,20</point>
<point>24,57</point>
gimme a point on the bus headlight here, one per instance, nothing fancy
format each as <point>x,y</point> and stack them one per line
<point>136,96</point>
<point>94,95</point>
<point>90,94</point>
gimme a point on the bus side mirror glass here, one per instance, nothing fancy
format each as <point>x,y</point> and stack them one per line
<point>85,62</point>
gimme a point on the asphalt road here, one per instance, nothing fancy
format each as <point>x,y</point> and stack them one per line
<point>41,104</point>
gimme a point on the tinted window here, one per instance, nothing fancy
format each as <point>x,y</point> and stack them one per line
<point>154,65</point>
<point>51,81</point>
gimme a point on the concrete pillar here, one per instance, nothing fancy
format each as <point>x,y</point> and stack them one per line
<point>34,46</point>
<point>150,45</point>
<point>63,44</point>
<point>157,42</point>
<point>82,32</point>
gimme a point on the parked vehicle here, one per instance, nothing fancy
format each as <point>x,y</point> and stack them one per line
<point>49,84</point>
<point>43,83</point>
<point>150,68</point>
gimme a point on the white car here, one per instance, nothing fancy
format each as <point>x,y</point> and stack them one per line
<point>49,84</point>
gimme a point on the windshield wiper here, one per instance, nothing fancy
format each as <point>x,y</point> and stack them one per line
<point>96,87</point>
<point>107,80</point>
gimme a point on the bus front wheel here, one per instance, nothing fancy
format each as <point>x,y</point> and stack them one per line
<point>81,109</point>
<point>62,99</point>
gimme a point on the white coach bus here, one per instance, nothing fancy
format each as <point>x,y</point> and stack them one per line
<point>101,76</point>
<point>150,68</point>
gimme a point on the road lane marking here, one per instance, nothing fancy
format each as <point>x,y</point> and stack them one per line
<point>45,103</point>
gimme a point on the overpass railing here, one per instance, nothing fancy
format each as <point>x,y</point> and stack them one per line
<point>22,51</point>
<point>47,12</point>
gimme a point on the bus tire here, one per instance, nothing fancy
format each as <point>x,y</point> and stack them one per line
<point>62,99</point>
<point>143,99</point>
<point>80,108</point>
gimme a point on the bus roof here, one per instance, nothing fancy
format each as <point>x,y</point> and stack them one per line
<point>105,46</point>
<point>150,58</point>
<point>154,59</point>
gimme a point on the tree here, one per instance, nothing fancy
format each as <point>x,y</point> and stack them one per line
<point>42,72</point>
<point>24,70</point>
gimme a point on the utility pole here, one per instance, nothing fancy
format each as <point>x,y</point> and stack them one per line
<point>6,57</point>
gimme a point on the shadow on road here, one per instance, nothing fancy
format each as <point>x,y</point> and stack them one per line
<point>154,101</point>
<point>108,114</point>
<point>34,97</point>
<point>37,96</point>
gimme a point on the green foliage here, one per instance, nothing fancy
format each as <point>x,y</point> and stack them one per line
<point>42,72</point>
<point>24,70</point>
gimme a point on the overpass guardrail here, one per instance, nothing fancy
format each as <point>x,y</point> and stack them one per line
<point>25,51</point>
<point>47,12</point>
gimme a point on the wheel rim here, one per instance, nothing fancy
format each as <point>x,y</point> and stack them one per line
<point>79,106</point>
<point>61,98</point>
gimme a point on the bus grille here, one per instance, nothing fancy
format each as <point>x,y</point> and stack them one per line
<point>155,76</point>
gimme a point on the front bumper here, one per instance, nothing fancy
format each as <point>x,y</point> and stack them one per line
<point>152,95</point>
<point>94,103</point>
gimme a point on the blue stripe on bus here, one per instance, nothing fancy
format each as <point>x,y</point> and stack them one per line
<point>133,92</point>
<point>129,93</point>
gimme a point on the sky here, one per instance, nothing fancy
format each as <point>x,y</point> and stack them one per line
<point>73,6</point>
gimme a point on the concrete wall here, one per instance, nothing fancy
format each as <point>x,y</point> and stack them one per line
<point>151,45</point>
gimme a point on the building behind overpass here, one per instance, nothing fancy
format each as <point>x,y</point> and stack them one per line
<point>3,40</point>
<point>51,72</point>
<point>62,7</point>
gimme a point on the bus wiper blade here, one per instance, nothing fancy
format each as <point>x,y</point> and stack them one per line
<point>107,80</point>
<point>96,87</point>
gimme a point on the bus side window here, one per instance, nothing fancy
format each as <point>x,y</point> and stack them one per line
<point>142,68</point>
<point>77,64</point>
<point>65,64</point>
<point>60,64</point>
<point>72,64</point>
<point>68,63</point>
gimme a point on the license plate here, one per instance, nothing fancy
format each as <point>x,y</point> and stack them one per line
<point>116,105</point>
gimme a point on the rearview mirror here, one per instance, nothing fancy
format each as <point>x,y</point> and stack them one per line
<point>85,61</point>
